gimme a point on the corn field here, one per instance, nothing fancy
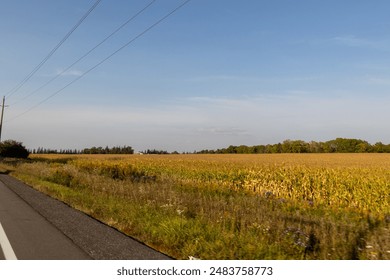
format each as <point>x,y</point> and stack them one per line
<point>334,184</point>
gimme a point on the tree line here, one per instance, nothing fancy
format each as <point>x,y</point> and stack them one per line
<point>93,150</point>
<point>100,150</point>
<point>338,145</point>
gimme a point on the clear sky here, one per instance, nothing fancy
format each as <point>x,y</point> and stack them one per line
<point>215,73</point>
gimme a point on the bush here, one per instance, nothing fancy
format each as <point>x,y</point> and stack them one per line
<point>11,148</point>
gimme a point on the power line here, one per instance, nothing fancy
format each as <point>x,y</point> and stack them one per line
<point>87,53</point>
<point>28,77</point>
<point>104,60</point>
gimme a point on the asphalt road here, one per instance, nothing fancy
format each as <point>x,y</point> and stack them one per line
<point>34,226</point>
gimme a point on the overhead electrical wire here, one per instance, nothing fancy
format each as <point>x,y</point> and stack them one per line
<point>87,53</point>
<point>104,60</point>
<point>50,54</point>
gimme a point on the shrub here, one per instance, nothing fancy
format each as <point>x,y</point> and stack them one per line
<point>14,149</point>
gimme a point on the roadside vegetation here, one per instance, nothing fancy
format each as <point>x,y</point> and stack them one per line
<point>279,206</point>
<point>13,149</point>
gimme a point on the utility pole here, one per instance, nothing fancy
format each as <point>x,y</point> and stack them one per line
<point>2,115</point>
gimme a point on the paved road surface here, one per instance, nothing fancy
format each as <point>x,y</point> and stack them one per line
<point>39,227</point>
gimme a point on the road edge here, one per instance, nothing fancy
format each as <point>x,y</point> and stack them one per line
<point>100,241</point>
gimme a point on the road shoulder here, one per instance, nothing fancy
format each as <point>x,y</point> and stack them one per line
<point>98,240</point>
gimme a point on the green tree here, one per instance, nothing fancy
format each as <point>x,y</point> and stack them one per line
<point>13,149</point>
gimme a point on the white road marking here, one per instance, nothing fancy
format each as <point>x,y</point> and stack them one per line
<point>6,246</point>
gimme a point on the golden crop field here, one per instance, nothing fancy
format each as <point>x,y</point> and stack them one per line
<point>273,206</point>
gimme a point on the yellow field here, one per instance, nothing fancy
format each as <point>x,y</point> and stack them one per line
<point>356,181</point>
<point>331,160</point>
<point>312,206</point>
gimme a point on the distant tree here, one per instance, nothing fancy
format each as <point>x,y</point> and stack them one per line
<point>242,149</point>
<point>13,149</point>
<point>315,147</point>
<point>363,148</point>
<point>155,152</point>
<point>259,149</point>
<point>379,147</point>
<point>346,145</point>
<point>287,146</point>
<point>231,150</point>
<point>338,145</point>
<point>299,146</point>
<point>107,150</point>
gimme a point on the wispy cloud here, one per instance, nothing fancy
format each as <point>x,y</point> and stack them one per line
<point>352,41</point>
<point>379,81</point>
<point>228,131</point>
<point>358,42</point>
<point>251,102</point>
<point>221,101</point>
<point>120,116</point>
<point>215,78</point>
<point>237,78</point>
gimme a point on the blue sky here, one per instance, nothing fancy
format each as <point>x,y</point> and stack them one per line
<point>215,73</point>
